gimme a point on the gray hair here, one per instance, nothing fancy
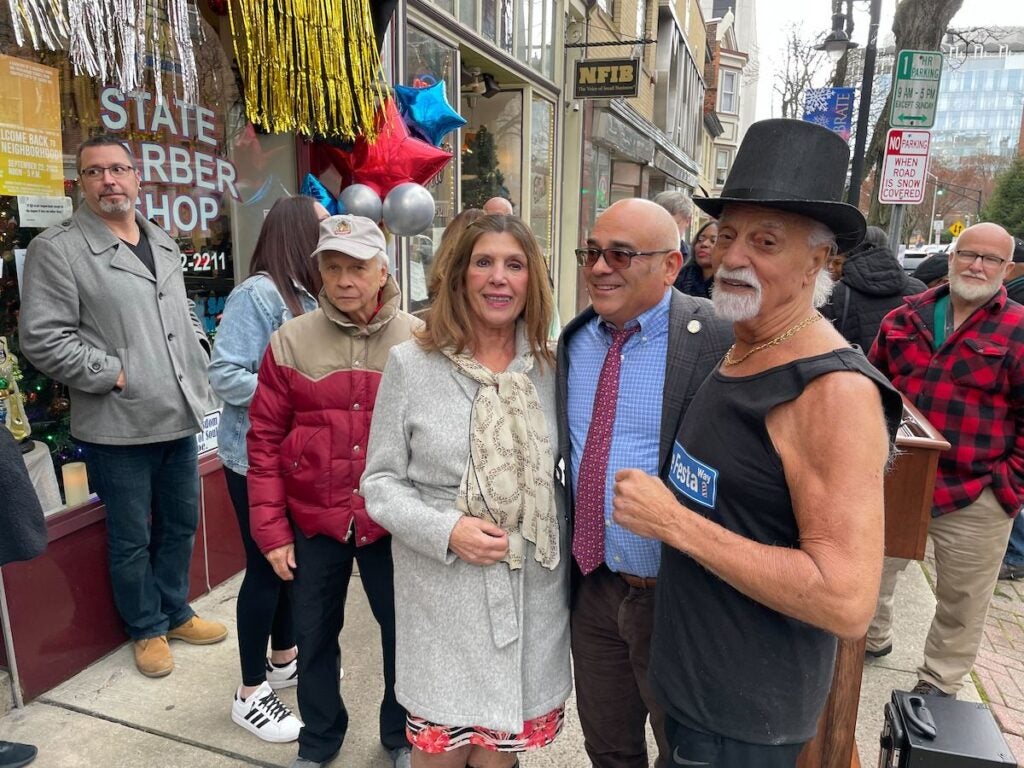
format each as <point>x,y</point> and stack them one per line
<point>821,235</point>
<point>675,201</point>
<point>381,258</point>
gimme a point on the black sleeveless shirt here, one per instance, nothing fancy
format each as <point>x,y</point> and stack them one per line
<point>721,662</point>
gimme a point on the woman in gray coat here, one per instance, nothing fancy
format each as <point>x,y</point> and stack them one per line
<point>460,469</point>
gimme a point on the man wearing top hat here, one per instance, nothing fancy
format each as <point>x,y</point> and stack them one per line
<point>771,506</point>
<point>310,417</point>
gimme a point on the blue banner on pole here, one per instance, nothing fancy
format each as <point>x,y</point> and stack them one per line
<point>830,107</point>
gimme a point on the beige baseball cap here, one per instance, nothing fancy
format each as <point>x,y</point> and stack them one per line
<point>355,236</point>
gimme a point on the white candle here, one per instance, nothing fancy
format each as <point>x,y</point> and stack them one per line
<point>76,483</point>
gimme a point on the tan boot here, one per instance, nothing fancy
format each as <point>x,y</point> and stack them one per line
<point>199,632</point>
<point>153,657</point>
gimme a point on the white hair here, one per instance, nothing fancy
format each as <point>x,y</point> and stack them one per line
<point>821,235</point>
<point>381,258</point>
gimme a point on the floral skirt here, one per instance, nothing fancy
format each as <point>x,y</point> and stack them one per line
<point>435,739</point>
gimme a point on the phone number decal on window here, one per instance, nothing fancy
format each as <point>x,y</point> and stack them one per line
<point>203,261</point>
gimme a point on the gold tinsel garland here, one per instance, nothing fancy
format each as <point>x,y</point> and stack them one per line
<point>310,66</point>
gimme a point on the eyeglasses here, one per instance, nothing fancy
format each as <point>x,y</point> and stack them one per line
<point>968,257</point>
<point>94,172</point>
<point>615,258</point>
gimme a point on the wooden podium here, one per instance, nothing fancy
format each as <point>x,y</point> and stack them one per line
<point>908,505</point>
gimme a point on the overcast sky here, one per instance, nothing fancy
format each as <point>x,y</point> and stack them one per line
<point>775,16</point>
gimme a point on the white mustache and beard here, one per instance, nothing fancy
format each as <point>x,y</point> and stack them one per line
<point>970,291</point>
<point>736,307</point>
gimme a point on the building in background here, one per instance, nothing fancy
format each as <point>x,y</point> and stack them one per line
<point>631,146</point>
<point>725,94</point>
<point>981,98</point>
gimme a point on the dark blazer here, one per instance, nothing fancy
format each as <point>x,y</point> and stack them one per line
<point>691,357</point>
<point>22,529</point>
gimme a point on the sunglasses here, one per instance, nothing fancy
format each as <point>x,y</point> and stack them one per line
<point>615,258</point>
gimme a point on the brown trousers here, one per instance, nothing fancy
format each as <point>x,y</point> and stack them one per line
<point>611,639</point>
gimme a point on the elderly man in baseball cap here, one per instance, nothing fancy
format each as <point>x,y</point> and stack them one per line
<point>307,447</point>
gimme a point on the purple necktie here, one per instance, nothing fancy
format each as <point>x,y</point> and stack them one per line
<point>588,535</point>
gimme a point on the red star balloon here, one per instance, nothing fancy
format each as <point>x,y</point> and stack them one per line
<point>396,157</point>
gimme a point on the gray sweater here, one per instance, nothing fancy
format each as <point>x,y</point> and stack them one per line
<point>475,645</point>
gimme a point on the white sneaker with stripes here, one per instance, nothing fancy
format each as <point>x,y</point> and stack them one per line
<point>287,675</point>
<point>284,676</point>
<point>266,716</point>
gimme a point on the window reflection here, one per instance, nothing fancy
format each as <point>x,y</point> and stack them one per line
<point>428,60</point>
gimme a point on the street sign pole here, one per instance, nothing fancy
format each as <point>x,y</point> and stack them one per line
<point>895,229</point>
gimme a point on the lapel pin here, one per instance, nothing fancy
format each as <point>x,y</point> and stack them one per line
<point>693,326</point>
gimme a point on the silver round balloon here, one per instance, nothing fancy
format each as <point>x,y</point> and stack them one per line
<point>408,209</point>
<point>361,200</point>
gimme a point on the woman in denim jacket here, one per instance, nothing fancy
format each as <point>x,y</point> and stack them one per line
<point>283,282</point>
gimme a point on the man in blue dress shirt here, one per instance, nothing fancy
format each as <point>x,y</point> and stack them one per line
<point>617,410</point>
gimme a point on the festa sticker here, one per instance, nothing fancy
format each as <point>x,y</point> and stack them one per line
<point>692,478</point>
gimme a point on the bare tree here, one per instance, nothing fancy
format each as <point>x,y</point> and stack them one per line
<point>802,67</point>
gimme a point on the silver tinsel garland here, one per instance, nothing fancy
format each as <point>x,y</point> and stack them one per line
<point>115,40</point>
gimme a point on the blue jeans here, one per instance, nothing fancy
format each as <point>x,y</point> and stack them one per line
<point>151,493</point>
<point>1015,548</point>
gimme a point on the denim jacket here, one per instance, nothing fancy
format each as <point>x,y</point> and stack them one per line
<point>253,311</point>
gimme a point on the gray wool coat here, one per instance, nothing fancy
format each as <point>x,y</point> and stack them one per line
<point>483,646</point>
<point>90,308</point>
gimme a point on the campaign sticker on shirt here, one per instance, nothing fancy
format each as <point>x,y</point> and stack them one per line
<point>692,478</point>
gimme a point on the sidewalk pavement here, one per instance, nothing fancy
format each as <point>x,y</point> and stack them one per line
<point>111,716</point>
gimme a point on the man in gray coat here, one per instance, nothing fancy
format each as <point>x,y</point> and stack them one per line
<point>627,369</point>
<point>104,311</point>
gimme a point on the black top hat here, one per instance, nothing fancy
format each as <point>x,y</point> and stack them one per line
<point>795,166</point>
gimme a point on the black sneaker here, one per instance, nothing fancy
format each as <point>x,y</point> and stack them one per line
<point>879,653</point>
<point>927,689</point>
<point>1009,572</point>
<point>14,755</point>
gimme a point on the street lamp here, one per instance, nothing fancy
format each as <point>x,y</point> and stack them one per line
<point>838,42</point>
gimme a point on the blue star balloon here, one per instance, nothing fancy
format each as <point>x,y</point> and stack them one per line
<point>311,187</point>
<point>427,111</point>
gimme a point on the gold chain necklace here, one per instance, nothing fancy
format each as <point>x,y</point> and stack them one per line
<point>777,340</point>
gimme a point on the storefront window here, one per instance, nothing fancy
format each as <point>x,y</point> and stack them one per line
<point>535,35</point>
<point>505,43</point>
<point>467,13</point>
<point>430,61</point>
<point>542,173</point>
<point>207,179</point>
<point>492,153</point>
<point>489,23</point>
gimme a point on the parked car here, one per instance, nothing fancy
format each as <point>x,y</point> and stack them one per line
<point>913,257</point>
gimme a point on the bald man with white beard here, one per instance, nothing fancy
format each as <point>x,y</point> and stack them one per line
<point>957,352</point>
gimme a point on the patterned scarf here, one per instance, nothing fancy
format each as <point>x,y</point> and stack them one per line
<point>508,478</point>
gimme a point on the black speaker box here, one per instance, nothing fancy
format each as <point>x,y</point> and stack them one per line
<point>934,732</point>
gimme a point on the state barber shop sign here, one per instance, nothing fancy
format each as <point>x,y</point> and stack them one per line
<point>606,78</point>
<point>905,169</point>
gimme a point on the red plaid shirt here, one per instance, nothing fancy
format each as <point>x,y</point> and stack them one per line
<point>971,390</point>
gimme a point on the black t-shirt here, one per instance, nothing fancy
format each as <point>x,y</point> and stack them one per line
<point>144,251</point>
<point>721,662</point>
